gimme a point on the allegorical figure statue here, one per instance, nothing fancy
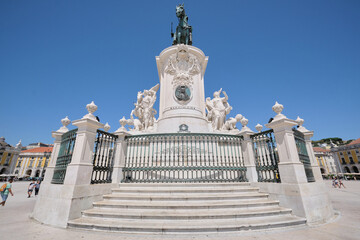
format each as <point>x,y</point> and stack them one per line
<point>183,33</point>
<point>218,108</point>
<point>144,110</point>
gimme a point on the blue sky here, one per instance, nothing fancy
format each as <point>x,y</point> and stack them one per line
<point>58,56</point>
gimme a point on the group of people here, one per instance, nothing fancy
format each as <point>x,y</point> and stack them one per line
<point>337,183</point>
<point>33,186</point>
<point>5,190</point>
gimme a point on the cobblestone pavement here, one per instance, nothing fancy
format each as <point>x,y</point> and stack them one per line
<point>16,224</point>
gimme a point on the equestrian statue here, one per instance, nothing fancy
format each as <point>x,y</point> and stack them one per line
<point>183,34</point>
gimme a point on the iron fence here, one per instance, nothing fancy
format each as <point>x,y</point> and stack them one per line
<point>303,154</point>
<point>64,157</point>
<point>103,160</point>
<point>266,156</point>
<point>184,157</point>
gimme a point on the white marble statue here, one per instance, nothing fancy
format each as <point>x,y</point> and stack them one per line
<point>230,124</point>
<point>144,110</point>
<point>218,108</point>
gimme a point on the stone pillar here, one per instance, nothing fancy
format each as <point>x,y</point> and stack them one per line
<point>290,168</point>
<point>308,135</point>
<point>59,203</point>
<point>55,152</point>
<point>309,200</point>
<point>120,154</point>
<point>80,169</point>
<point>248,151</point>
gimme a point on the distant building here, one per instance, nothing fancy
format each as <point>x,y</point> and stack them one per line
<point>348,156</point>
<point>8,156</point>
<point>326,161</point>
<point>37,145</point>
<point>33,162</point>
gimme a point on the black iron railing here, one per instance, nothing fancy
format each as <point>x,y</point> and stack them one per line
<point>103,160</point>
<point>64,157</point>
<point>303,154</point>
<point>184,157</point>
<point>266,156</point>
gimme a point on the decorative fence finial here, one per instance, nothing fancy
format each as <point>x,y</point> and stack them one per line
<point>65,121</point>
<point>259,127</point>
<point>300,122</point>
<point>278,109</point>
<point>106,127</point>
<point>122,122</point>
<point>244,121</point>
<point>91,107</point>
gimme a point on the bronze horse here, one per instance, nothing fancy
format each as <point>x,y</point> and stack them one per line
<point>183,34</point>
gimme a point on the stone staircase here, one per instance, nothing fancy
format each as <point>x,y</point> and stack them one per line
<point>185,207</point>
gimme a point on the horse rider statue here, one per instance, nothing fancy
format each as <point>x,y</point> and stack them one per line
<point>183,34</point>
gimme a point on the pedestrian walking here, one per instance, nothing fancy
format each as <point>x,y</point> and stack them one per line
<point>335,183</point>
<point>31,188</point>
<point>5,190</point>
<point>341,184</point>
<point>37,187</point>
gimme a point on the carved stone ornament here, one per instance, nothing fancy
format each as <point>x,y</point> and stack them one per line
<point>182,66</point>
<point>278,109</point>
<point>259,127</point>
<point>65,121</point>
<point>91,107</point>
<point>106,127</point>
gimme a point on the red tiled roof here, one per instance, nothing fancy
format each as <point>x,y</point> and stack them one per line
<point>38,150</point>
<point>357,141</point>
<point>319,149</point>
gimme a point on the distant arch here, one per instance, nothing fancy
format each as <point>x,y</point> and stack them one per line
<point>43,173</point>
<point>347,170</point>
<point>322,171</point>
<point>37,173</point>
<point>3,170</point>
<point>355,169</point>
<point>17,172</point>
<point>28,172</point>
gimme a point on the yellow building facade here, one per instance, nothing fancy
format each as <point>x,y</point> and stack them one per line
<point>348,156</point>
<point>33,162</point>
<point>8,157</point>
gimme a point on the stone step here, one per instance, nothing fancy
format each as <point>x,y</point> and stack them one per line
<point>185,226</point>
<point>206,189</point>
<point>186,185</point>
<point>209,204</point>
<point>185,213</point>
<point>182,196</point>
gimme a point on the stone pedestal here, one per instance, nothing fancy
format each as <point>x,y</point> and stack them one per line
<point>308,200</point>
<point>119,157</point>
<point>249,155</point>
<point>290,168</point>
<point>182,99</point>
<point>58,203</point>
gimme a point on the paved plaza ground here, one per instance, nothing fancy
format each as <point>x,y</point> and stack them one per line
<point>16,224</point>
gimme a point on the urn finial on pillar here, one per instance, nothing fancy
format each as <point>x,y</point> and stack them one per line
<point>300,123</point>
<point>91,107</point>
<point>122,122</point>
<point>106,127</point>
<point>278,109</point>
<point>259,127</point>
<point>65,121</point>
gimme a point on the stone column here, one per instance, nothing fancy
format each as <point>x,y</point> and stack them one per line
<point>55,152</point>
<point>120,153</point>
<point>290,168</point>
<point>80,168</point>
<point>308,135</point>
<point>248,151</point>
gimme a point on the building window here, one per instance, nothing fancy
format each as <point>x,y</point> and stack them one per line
<point>357,151</point>
<point>351,160</point>
<point>341,153</point>
<point>19,163</point>
<point>349,153</point>
<point>343,161</point>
